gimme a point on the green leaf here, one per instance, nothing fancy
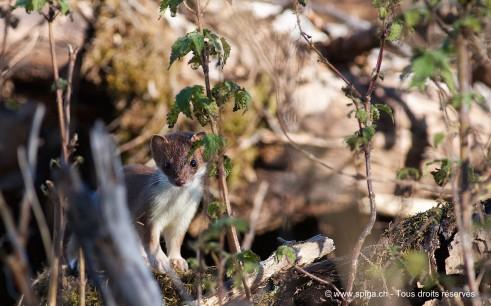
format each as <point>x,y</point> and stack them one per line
<point>466,98</point>
<point>227,164</point>
<point>212,144</point>
<point>198,42</point>
<point>171,4</point>
<point>179,49</point>
<point>367,133</point>
<point>191,42</point>
<point>442,175</point>
<point>172,115</point>
<point>61,84</point>
<point>416,263</point>
<point>357,140</point>
<point>361,115</point>
<point>249,260</point>
<point>435,63</point>
<point>64,6</point>
<point>438,139</point>
<point>215,209</point>
<point>395,31</point>
<point>226,50</point>
<point>415,16</point>
<point>303,2</point>
<point>384,108</point>
<point>31,5</point>
<point>469,22</point>
<point>408,173</point>
<point>224,91</point>
<point>184,99</point>
<point>218,47</point>
<point>287,252</point>
<point>242,100</point>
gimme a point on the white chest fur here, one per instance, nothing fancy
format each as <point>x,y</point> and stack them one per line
<point>172,204</point>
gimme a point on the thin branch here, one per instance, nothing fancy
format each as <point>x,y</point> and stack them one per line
<point>368,169</point>
<point>59,91</point>
<point>18,262</point>
<point>72,57</point>
<point>461,182</point>
<point>255,213</point>
<point>216,127</point>
<point>32,150</point>
<point>320,280</point>
<point>31,198</point>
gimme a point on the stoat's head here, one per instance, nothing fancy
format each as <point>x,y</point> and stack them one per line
<point>175,155</point>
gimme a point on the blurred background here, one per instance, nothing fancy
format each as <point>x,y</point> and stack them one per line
<point>122,77</point>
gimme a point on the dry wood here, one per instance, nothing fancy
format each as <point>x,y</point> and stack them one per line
<point>104,229</point>
<point>307,252</point>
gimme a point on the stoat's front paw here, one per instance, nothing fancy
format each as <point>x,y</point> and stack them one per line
<point>159,263</point>
<point>179,264</point>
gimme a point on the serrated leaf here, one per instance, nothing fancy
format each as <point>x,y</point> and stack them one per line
<point>172,116</point>
<point>215,209</point>
<point>441,175</point>
<point>357,140</point>
<point>408,173</point>
<point>287,252</point>
<point>31,5</point>
<point>171,4</point>
<point>184,99</point>
<point>249,260</point>
<point>198,42</point>
<point>386,109</point>
<point>224,91</point>
<point>375,113</point>
<point>180,48</point>
<point>395,31</point>
<point>361,115</point>
<point>242,100</point>
<point>438,139</point>
<point>433,63</point>
<point>64,6</point>
<point>227,164</point>
<point>212,144</point>
<point>226,50</point>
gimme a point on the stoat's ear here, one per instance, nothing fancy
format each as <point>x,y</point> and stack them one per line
<point>198,136</point>
<point>157,144</point>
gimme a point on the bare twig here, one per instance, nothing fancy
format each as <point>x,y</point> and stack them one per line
<point>256,211</point>
<point>82,279</point>
<point>59,90</point>
<point>4,65</point>
<point>18,263</point>
<point>461,182</point>
<point>31,197</point>
<point>320,280</point>
<point>368,168</point>
<point>72,57</point>
<point>32,149</point>
<point>356,97</point>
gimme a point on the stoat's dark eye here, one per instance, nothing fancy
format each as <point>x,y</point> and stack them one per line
<point>193,163</point>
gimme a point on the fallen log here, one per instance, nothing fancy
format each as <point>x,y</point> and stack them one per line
<point>306,252</point>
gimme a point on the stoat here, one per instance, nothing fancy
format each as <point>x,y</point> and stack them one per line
<point>164,199</point>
